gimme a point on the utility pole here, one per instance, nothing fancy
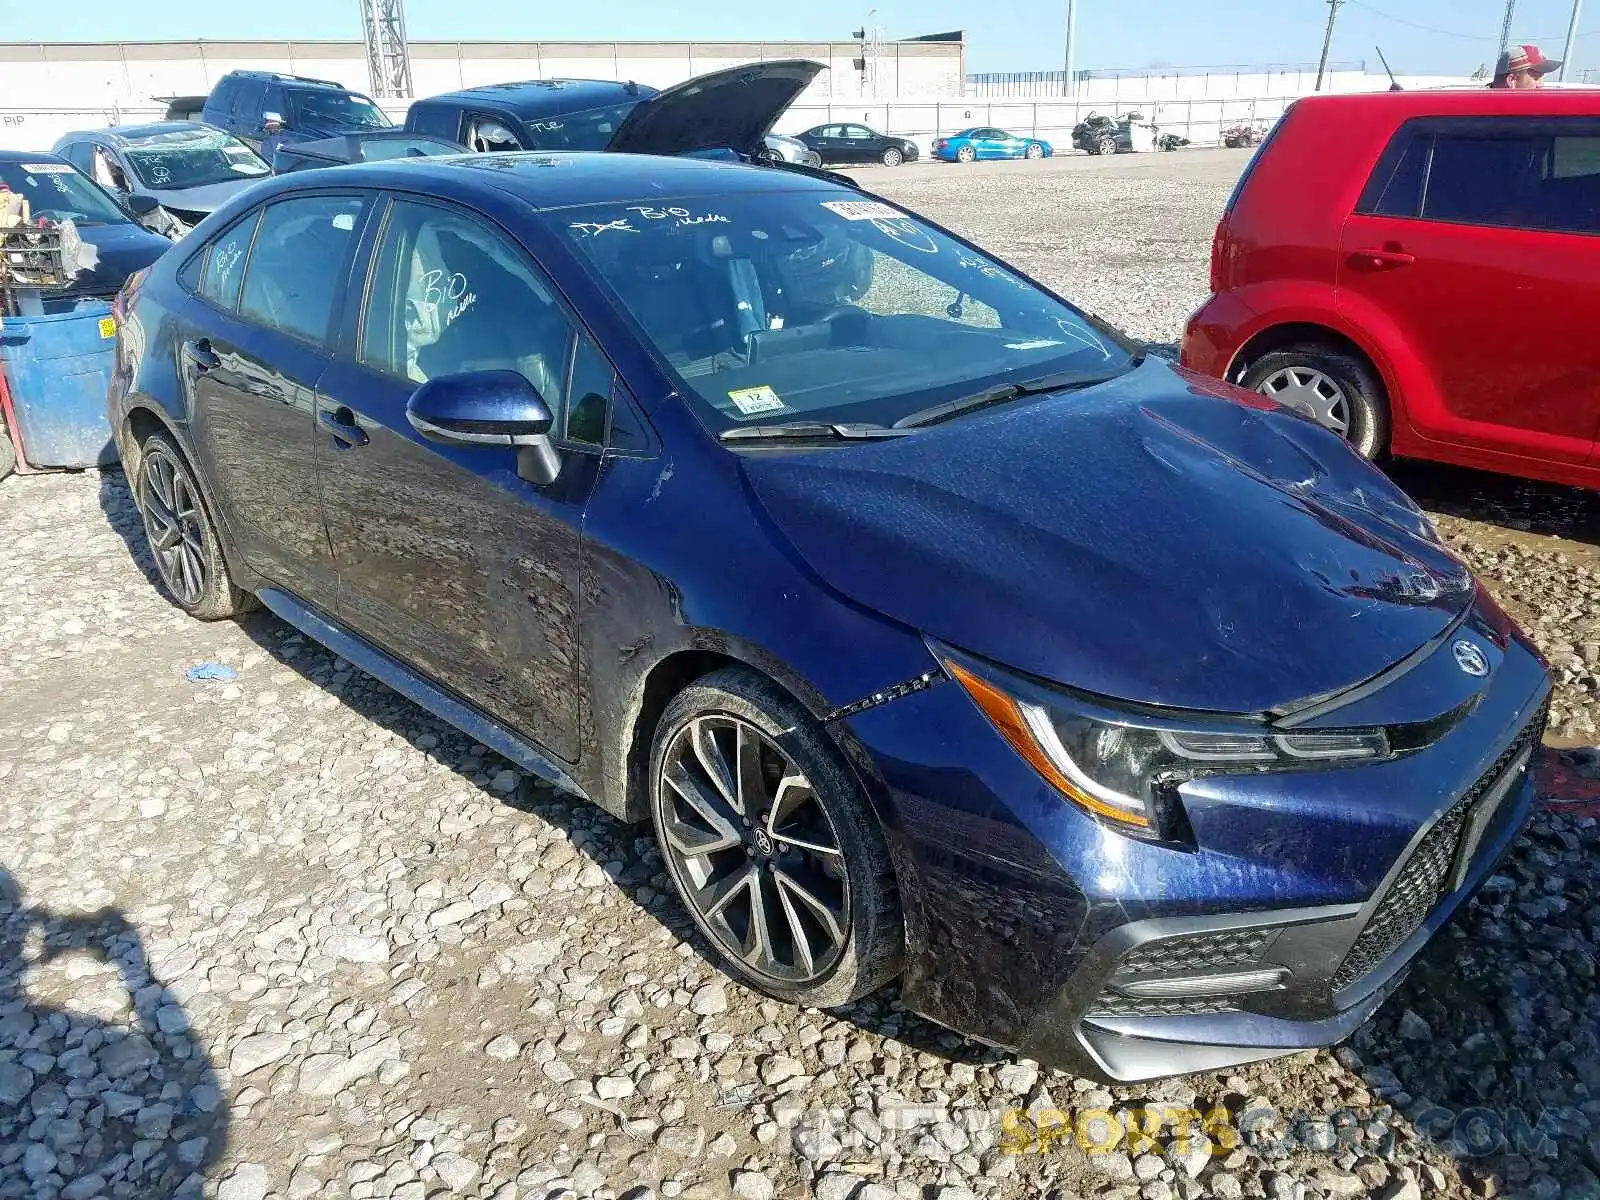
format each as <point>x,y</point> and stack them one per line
<point>1505,27</point>
<point>1327,42</point>
<point>1572,37</point>
<point>1072,33</point>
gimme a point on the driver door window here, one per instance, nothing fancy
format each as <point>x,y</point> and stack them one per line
<point>488,135</point>
<point>107,173</point>
<point>451,294</point>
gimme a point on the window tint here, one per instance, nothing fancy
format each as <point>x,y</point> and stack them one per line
<point>589,395</point>
<point>219,281</point>
<point>247,101</point>
<point>1521,174</point>
<point>857,131</point>
<point>451,294</point>
<point>300,263</point>
<point>222,96</point>
<point>80,155</point>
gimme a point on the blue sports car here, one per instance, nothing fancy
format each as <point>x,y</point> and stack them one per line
<point>983,141</point>
<point>940,634</point>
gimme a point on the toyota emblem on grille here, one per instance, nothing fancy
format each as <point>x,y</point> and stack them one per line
<point>1469,658</point>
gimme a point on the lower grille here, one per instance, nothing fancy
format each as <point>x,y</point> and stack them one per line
<point>1421,881</point>
<point>1197,952</point>
<point>1110,1004</point>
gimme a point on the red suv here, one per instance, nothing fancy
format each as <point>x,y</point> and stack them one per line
<point>1420,271</point>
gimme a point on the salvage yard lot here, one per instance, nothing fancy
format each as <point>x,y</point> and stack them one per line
<point>287,932</point>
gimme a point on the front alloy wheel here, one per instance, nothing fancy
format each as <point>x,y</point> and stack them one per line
<point>771,843</point>
<point>1035,150</point>
<point>753,850</point>
<point>892,157</point>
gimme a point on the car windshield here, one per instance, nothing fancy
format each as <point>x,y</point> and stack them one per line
<point>823,306</point>
<point>590,129</point>
<point>192,158</point>
<point>56,190</point>
<point>339,110</point>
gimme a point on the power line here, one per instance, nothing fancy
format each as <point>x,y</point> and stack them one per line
<point>1471,37</point>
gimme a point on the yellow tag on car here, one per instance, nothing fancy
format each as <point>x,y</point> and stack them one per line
<point>108,327</point>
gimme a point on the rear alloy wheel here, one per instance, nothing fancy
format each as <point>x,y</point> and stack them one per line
<point>1035,150</point>
<point>966,154</point>
<point>183,539</point>
<point>892,157</point>
<point>773,848</point>
<point>1105,144</point>
<point>1336,389</point>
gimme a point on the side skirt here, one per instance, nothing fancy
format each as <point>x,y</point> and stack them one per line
<point>414,687</point>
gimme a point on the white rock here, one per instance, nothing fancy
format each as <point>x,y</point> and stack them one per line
<point>357,947</point>
<point>452,914</point>
<point>752,1185</point>
<point>709,1000</point>
<point>503,1048</point>
<point>490,893</point>
<point>16,1081</point>
<point>329,1074</point>
<point>257,1051</point>
<point>455,1171</point>
<point>248,1182</point>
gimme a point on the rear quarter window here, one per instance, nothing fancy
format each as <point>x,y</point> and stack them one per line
<point>1256,159</point>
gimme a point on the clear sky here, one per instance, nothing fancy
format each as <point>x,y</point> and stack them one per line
<point>1419,36</point>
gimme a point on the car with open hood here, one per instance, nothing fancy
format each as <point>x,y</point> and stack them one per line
<point>939,633</point>
<point>729,110</point>
<point>171,174</point>
<point>56,191</point>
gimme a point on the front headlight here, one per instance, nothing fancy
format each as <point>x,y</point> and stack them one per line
<point>1124,767</point>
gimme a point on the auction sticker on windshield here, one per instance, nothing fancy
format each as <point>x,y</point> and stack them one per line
<point>48,168</point>
<point>863,210</point>
<point>755,401</point>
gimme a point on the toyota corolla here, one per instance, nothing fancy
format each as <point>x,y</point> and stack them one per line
<point>1122,717</point>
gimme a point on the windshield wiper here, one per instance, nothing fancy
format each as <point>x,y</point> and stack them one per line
<point>808,431</point>
<point>989,397</point>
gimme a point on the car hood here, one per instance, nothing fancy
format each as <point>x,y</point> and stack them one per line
<point>205,199</point>
<point>1161,539</point>
<point>726,109</point>
<point>121,250</point>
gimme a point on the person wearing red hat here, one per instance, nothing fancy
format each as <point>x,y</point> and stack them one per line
<point>1522,67</point>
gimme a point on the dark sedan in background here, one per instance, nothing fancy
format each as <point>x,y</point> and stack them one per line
<point>1130,720</point>
<point>845,143</point>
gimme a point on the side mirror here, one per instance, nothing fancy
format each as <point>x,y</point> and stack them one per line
<point>141,205</point>
<point>488,408</point>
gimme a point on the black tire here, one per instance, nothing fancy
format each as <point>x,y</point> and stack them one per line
<point>870,951</point>
<point>191,569</point>
<point>1105,144</point>
<point>1368,405</point>
<point>8,456</point>
<point>893,157</point>
<point>966,154</point>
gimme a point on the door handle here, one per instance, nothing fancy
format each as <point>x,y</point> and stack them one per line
<point>199,352</point>
<point>341,423</point>
<point>1383,260</point>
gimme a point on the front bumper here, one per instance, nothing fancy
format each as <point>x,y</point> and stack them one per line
<point>1032,927</point>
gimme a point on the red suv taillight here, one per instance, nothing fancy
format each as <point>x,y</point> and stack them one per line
<point>1219,250</point>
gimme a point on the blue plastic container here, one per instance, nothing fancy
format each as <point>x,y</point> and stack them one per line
<point>58,368</point>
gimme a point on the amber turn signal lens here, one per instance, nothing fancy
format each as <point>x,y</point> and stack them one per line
<point>1006,716</point>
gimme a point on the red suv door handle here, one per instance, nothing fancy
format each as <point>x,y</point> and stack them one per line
<point>1383,260</point>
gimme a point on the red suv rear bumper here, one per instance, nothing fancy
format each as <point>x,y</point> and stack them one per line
<point>1215,334</point>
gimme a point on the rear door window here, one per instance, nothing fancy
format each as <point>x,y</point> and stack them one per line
<point>247,102</point>
<point>300,265</point>
<point>224,264</point>
<point>1534,174</point>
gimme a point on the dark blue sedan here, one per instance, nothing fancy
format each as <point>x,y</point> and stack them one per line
<point>1126,719</point>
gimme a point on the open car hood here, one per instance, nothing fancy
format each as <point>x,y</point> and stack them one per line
<point>731,109</point>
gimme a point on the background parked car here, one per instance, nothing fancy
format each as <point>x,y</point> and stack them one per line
<point>360,147</point>
<point>729,112</point>
<point>57,191</point>
<point>243,103</point>
<point>983,142</point>
<point>1420,272</point>
<point>847,143</point>
<point>781,148</point>
<point>189,170</point>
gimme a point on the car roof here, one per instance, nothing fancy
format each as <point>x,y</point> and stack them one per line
<point>560,180</point>
<point>537,97</point>
<point>16,156</point>
<point>129,135</point>
<point>292,81</point>
<point>1456,101</point>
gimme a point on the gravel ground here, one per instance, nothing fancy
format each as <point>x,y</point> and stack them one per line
<point>284,934</point>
